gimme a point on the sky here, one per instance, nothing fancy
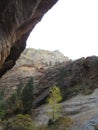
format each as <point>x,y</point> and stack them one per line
<point>71,27</point>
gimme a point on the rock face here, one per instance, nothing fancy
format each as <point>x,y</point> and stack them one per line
<point>17,19</point>
<point>73,77</point>
<point>32,62</point>
<point>76,79</point>
<point>40,58</point>
<point>82,109</point>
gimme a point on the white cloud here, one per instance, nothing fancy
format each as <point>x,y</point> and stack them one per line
<point>71,26</point>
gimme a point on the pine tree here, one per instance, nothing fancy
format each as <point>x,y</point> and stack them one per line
<point>53,102</point>
<point>27,97</point>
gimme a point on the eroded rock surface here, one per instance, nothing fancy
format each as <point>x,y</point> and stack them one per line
<point>73,77</point>
<point>82,109</point>
<point>17,19</point>
<point>31,63</point>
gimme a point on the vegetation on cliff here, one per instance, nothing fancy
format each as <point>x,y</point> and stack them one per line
<point>53,103</point>
<point>16,110</point>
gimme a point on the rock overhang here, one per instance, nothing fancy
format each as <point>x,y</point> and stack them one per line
<point>17,20</point>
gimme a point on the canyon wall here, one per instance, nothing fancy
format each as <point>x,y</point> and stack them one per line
<point>17,19</point>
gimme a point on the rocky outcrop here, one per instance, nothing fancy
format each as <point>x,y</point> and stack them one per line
<point>32,63</point>
<point>73,78</point>
<point>77,80</point>
<point>40,58</point>
<point>17,19</point>
<point>82,109</point>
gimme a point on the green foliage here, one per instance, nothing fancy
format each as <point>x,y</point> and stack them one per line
<point>20,122</point>
<point>19,89</point>
<point>2,103</point>
<point>2,109</point>
<point>53,102</point>
<point>2,94</point>
<point>64,122</point>
<point>27,97</point>
<point>14,105</point>
<point>24,122</point>
<point>20,101</point>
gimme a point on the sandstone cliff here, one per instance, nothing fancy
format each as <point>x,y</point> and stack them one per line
<point>77,81</point>
<point>32,63</point>
<point>17,19</point>
<point>73,77</point>
<point>40,58</point>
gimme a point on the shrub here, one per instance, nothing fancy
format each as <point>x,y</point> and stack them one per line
<point>62,123</point>
<point>20,122</point>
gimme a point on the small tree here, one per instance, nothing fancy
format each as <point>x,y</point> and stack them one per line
<point>53,102</point>
<point>27,97</point>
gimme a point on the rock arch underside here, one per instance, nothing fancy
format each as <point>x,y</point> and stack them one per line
<point>17,20</point>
